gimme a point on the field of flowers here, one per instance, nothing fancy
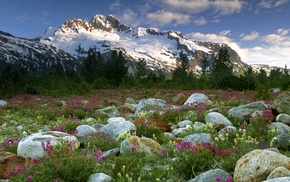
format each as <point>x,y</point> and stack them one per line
<point>179,161</point>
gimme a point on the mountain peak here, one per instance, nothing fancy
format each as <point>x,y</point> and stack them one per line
<point>108,24</point>
<point>76,25</point>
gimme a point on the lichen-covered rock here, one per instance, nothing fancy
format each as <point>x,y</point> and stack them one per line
<point>199,138</point>
<point>184,123</point>
<point>32,145</point>
<point>228,129</point>
<point>3,103</point>
<point>281,141</point>
<point>10,162</point>
<point>158,123</point>
<point>280,127</point>
<point>217,120</point>
<point>282,179</point>
<point>151,104</point>
<point>178,131</point>
<point>85,130</point>
<point>198,125</point>
<point>99,177</point>
<point>256,165</point>
<point>197,98</point>
<point>283,118</point>
<point>279,172</point>
<point>137,144</point>
<point>212,175</point>
<point>179,99</point>
<point>115,129</point>
<point>242,113</point>
<point>116,120</point>
<point>281,104</point>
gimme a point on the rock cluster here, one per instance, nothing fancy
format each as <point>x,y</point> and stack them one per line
<point>255,165</point>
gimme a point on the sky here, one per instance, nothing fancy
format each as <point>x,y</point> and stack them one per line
<point>259,30</point>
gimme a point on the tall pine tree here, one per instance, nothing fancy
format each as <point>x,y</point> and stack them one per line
<point>222,69</point>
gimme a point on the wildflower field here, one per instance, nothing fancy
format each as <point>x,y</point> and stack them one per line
<point>178,160</point>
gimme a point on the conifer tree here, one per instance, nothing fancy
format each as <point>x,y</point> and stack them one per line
<point>181,71</point>
<point>222,69</point>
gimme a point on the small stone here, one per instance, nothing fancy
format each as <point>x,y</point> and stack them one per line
<point>99,177</point>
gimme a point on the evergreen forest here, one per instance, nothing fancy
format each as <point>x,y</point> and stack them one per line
<point>100,73</point>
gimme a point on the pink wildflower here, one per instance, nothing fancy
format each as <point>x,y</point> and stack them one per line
<point>29,178</point>
<point>133,149</point>
<point>218,179</point>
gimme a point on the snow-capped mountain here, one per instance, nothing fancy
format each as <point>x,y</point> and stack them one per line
<point>69,43</point>
<point>32,54</point>
<point>159,49</point>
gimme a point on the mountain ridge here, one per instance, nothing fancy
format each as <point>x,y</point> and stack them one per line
<point>160,49</point>
<point>69,43</point>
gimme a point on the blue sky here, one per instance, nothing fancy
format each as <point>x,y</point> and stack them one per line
<point>259,30</point>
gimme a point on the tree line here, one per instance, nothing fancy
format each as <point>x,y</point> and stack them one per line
<point>98,72</point>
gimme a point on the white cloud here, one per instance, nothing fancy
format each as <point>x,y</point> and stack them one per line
<point>197,6</point>
<point>271,3</point>
<point>275,52</point>
<point>225,33</point>
<point>252,36</point>
<point>278,39</point>
<point>23,17</point>
<point>272,54</point>
<point>227,7</point>
<point>200,21</point>
<point>167,17</point>
<point>282,31</point>
<point>280,2</point>
<point>129,17</point>
<point>115,5</point>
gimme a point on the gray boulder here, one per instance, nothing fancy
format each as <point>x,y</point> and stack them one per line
<point>217,120</point>
<point>281,140</point>
<point>242,113</point>
<point>228,129</point>
<point>32,145</point>
<point>212,175</point>
<point>184,123</point>
<point>281,127</point>
<point>283,118</point>
<point>197,98</point>
<point>116,120</point>
<point>178,131</point>
<point>115,129</point>
<point>199,138</point>
<point>198,125</point>
<point>85,130</point>
<point>152,104</point>
<point>99,177</point>
<point>282,103</point>
<point>110,111</point>
<point>3,103</point>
